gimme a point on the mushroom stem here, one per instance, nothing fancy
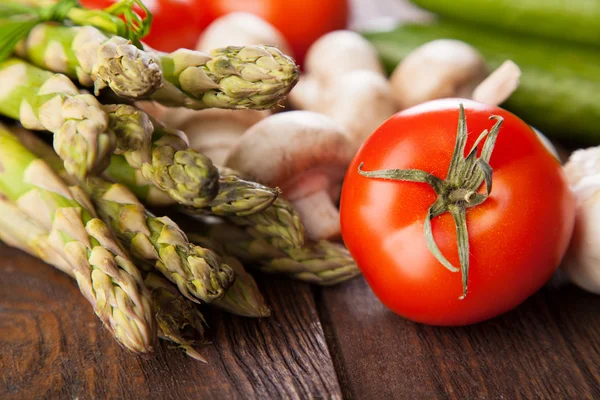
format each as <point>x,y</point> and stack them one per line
<point>320,216</point>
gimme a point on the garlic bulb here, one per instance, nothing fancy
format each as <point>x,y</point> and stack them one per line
<point>582,262</point>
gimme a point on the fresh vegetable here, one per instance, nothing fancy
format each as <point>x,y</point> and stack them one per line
<point>175,23</point>
<point>243,298</point>
<point>447,238</point>
<point>560,20</point>
<point>499,85</point>
<point>177,320</point>
<point>105,274</point>
<point>323,263</point>
<point>239,197</point>
<point>450,68</point>
<point>559,83</point>
<point>161,245</point>
<point>241,29</point>
<point>163,157</point>
<point>300,22</point>
<point>42,100</point>
<point>581,263</point>
<point>198,272</point>
<point>87,55</point>
<point>438,69</point>
<point>345,80</point>
<point>236,77</point>
<point>359,101</point>
<point>307,157</point>
<point>338,53</point>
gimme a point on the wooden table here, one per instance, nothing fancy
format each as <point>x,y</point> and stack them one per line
<point>320,343</point>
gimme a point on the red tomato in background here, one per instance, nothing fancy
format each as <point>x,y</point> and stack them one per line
<point>517,237</point>
<point>300,21</point>
<point>175,24</point>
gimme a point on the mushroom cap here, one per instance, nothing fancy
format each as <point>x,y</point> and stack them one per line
<point>339,52</point>
<point>241,29</point>
<point>360,101</point>
<point>438,69</point>
<point>282,149</point>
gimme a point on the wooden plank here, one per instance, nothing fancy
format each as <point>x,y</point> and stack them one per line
<point>549,347</point>
<point>52,345</point>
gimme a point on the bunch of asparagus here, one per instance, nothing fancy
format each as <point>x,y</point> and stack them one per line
<point>81,205</point>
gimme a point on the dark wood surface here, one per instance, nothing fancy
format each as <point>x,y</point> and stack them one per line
<point>320,343</point>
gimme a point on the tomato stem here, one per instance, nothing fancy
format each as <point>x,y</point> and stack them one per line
<point>457,192</point>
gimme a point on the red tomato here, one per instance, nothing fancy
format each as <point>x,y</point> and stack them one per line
<point>175,24</point>
<point>517,237</point>
<point>300,21</point>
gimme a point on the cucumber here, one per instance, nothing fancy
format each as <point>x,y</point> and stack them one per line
<point>571,20</point>
<point>559,91</point>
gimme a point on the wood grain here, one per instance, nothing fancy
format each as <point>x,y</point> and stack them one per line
<point>546,348</point>
<point>52,346</point>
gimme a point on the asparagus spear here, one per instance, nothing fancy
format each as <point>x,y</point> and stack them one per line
<point>243,298</point>
<point>234,77</point>
<point>323,262</point>
<point>198,272</point>
<point>84,53</point>
<point>42,100</point>
<point>279,222</point>
<point>163,157</point>
<point>178,320</point>
<point>104,272</point>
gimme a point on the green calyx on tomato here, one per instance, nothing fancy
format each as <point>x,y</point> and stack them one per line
<point>458,192</point>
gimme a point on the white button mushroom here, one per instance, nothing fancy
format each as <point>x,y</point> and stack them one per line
<point>305,154</point>
<point>241,29</point>
<point>339,52</point>
<point>360,101</point>
<point>345,80</point>
<point>438,69</point>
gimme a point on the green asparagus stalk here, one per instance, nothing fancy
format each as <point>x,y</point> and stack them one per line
<point>177,320</point>
<point>279,223</point>
<point>157,241</point>
<point>42,100</point>
<point>322,263</point>
<point>18,230</point>
<point>244,297</point>
<point>163,157</point>
<point>238,197</point>
<point>166,162</point>
<point>85,54</point>
<point>247,77</point>
<point>104,272</point>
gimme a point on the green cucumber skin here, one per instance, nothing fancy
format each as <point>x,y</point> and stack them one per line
<point>571,20</point>
<point>559,92</point>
